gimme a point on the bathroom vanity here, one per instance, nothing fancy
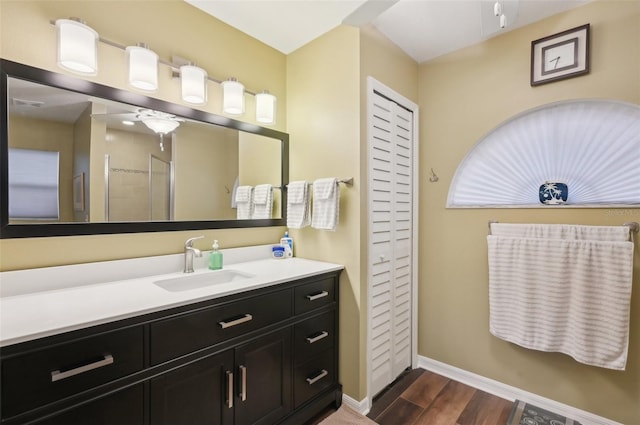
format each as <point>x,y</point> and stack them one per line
<point>259,349</point>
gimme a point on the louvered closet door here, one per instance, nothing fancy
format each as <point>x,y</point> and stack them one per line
<point>391,232</point>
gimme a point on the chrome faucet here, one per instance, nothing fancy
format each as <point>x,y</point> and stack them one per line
<point>189,252</point>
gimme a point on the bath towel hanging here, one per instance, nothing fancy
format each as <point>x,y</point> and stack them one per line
<point>298,204</point>
<point>326,204</point>
<point>236,183</point>
<point>262,201</point>
<point>562,288</point>
<point>244,202</point>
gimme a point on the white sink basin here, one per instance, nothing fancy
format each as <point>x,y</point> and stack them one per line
<point>200,280</point>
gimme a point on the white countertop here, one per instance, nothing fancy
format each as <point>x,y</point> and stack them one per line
<point>28,315</point>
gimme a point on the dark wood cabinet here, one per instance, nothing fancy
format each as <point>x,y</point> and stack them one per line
<point>259,357</point>
<point>124,407</point>
<point>194,394</point>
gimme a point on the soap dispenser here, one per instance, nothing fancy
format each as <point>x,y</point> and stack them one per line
<point>215,257</point>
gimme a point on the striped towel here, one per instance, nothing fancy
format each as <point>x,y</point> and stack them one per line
<point>244,202</point>
<point>262,201</point>
<point>298,205</point>
<point>562,295</point>
<point>326,204</point>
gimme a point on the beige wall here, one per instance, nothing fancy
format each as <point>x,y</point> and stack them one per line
<point>463,95</point>
<point>206,165</point>
<point>172,28</point>
<point>324,115</point>
<point>260,163</point>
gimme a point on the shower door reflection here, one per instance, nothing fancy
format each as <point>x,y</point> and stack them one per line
<point>159,189</point>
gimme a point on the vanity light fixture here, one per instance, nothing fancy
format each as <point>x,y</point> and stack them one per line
<point>143,67</point>
<point>128,122</point>
<point>77,52</point>
<point>77,46</point>
<point>233,97</point>
<point>194,84</point>
<point>265,107</point>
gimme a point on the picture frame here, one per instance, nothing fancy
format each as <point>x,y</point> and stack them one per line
<point>560,56</point>
<point>78,192</point>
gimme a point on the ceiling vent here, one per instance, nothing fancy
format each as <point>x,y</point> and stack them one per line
<point>26,103</point>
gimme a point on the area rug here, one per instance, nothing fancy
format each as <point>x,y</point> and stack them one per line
<point>528,414</point>
<point>346,416</point>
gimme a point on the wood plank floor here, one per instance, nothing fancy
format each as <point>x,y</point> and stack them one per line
<point>420,397</point>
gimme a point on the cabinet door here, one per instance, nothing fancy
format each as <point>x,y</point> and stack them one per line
<point>125,407</point>
<point>263,376</point>
<point>195,394</point>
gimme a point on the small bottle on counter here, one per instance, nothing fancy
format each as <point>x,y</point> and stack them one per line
<point>215,257</point>
<point>287,243</point>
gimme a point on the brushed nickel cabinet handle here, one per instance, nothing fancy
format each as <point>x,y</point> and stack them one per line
<point>317,338</point>
<point>318,377</point>
<point>233,322</point>
<point>229,389</point>
<point>60,374</point>
<point>243,383</point>
<point>318,295</point>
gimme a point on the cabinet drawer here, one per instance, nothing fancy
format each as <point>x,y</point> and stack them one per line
<point>124,407</point>
<point>313,336</point>
<point>314,295</point>
<point>313,376</point>
<point>43,376</point>
<point>186,333</point>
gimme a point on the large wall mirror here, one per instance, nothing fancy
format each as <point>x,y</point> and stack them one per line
<point>81,158</point>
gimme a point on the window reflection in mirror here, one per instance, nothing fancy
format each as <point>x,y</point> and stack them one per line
<point>114,168</point>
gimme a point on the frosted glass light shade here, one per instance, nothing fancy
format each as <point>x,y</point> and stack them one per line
<point>194,84</point>
<point>143,68</point>
<point>233,97</point>
<point>160,125</point>
<point>77,47</point>
<point>265,108</point>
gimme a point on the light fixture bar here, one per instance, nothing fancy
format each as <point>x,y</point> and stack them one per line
<point>160,60</point>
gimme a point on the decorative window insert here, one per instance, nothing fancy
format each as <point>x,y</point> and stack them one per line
<point>592,146</point>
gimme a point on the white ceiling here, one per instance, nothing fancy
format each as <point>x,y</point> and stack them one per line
<point>424,29</point>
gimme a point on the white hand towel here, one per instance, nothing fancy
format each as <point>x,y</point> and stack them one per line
<point>326,204</point>
<point>236,183</point>
<point>298,205</point>
<point>262,201</point>
<point>569,296</point>
<point>244,202</point>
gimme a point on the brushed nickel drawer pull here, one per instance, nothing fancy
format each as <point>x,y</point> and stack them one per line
<point>232,322</point>
<point>243,383</point>
<point>318,295</point>
<point>318,377</point>
<point>229,389</point>
<point>316,338</point>
<point>60,374</point>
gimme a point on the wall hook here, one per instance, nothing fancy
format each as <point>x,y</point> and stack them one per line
<point>433,178</point>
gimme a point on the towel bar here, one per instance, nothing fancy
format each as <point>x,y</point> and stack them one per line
<point>634,227</point>
<point>348,181</point>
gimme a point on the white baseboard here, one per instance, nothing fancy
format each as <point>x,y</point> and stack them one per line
<point>511,393</point>
<point>361,407</point>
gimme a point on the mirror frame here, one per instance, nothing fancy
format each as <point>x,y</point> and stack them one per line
<point>67,82</point>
